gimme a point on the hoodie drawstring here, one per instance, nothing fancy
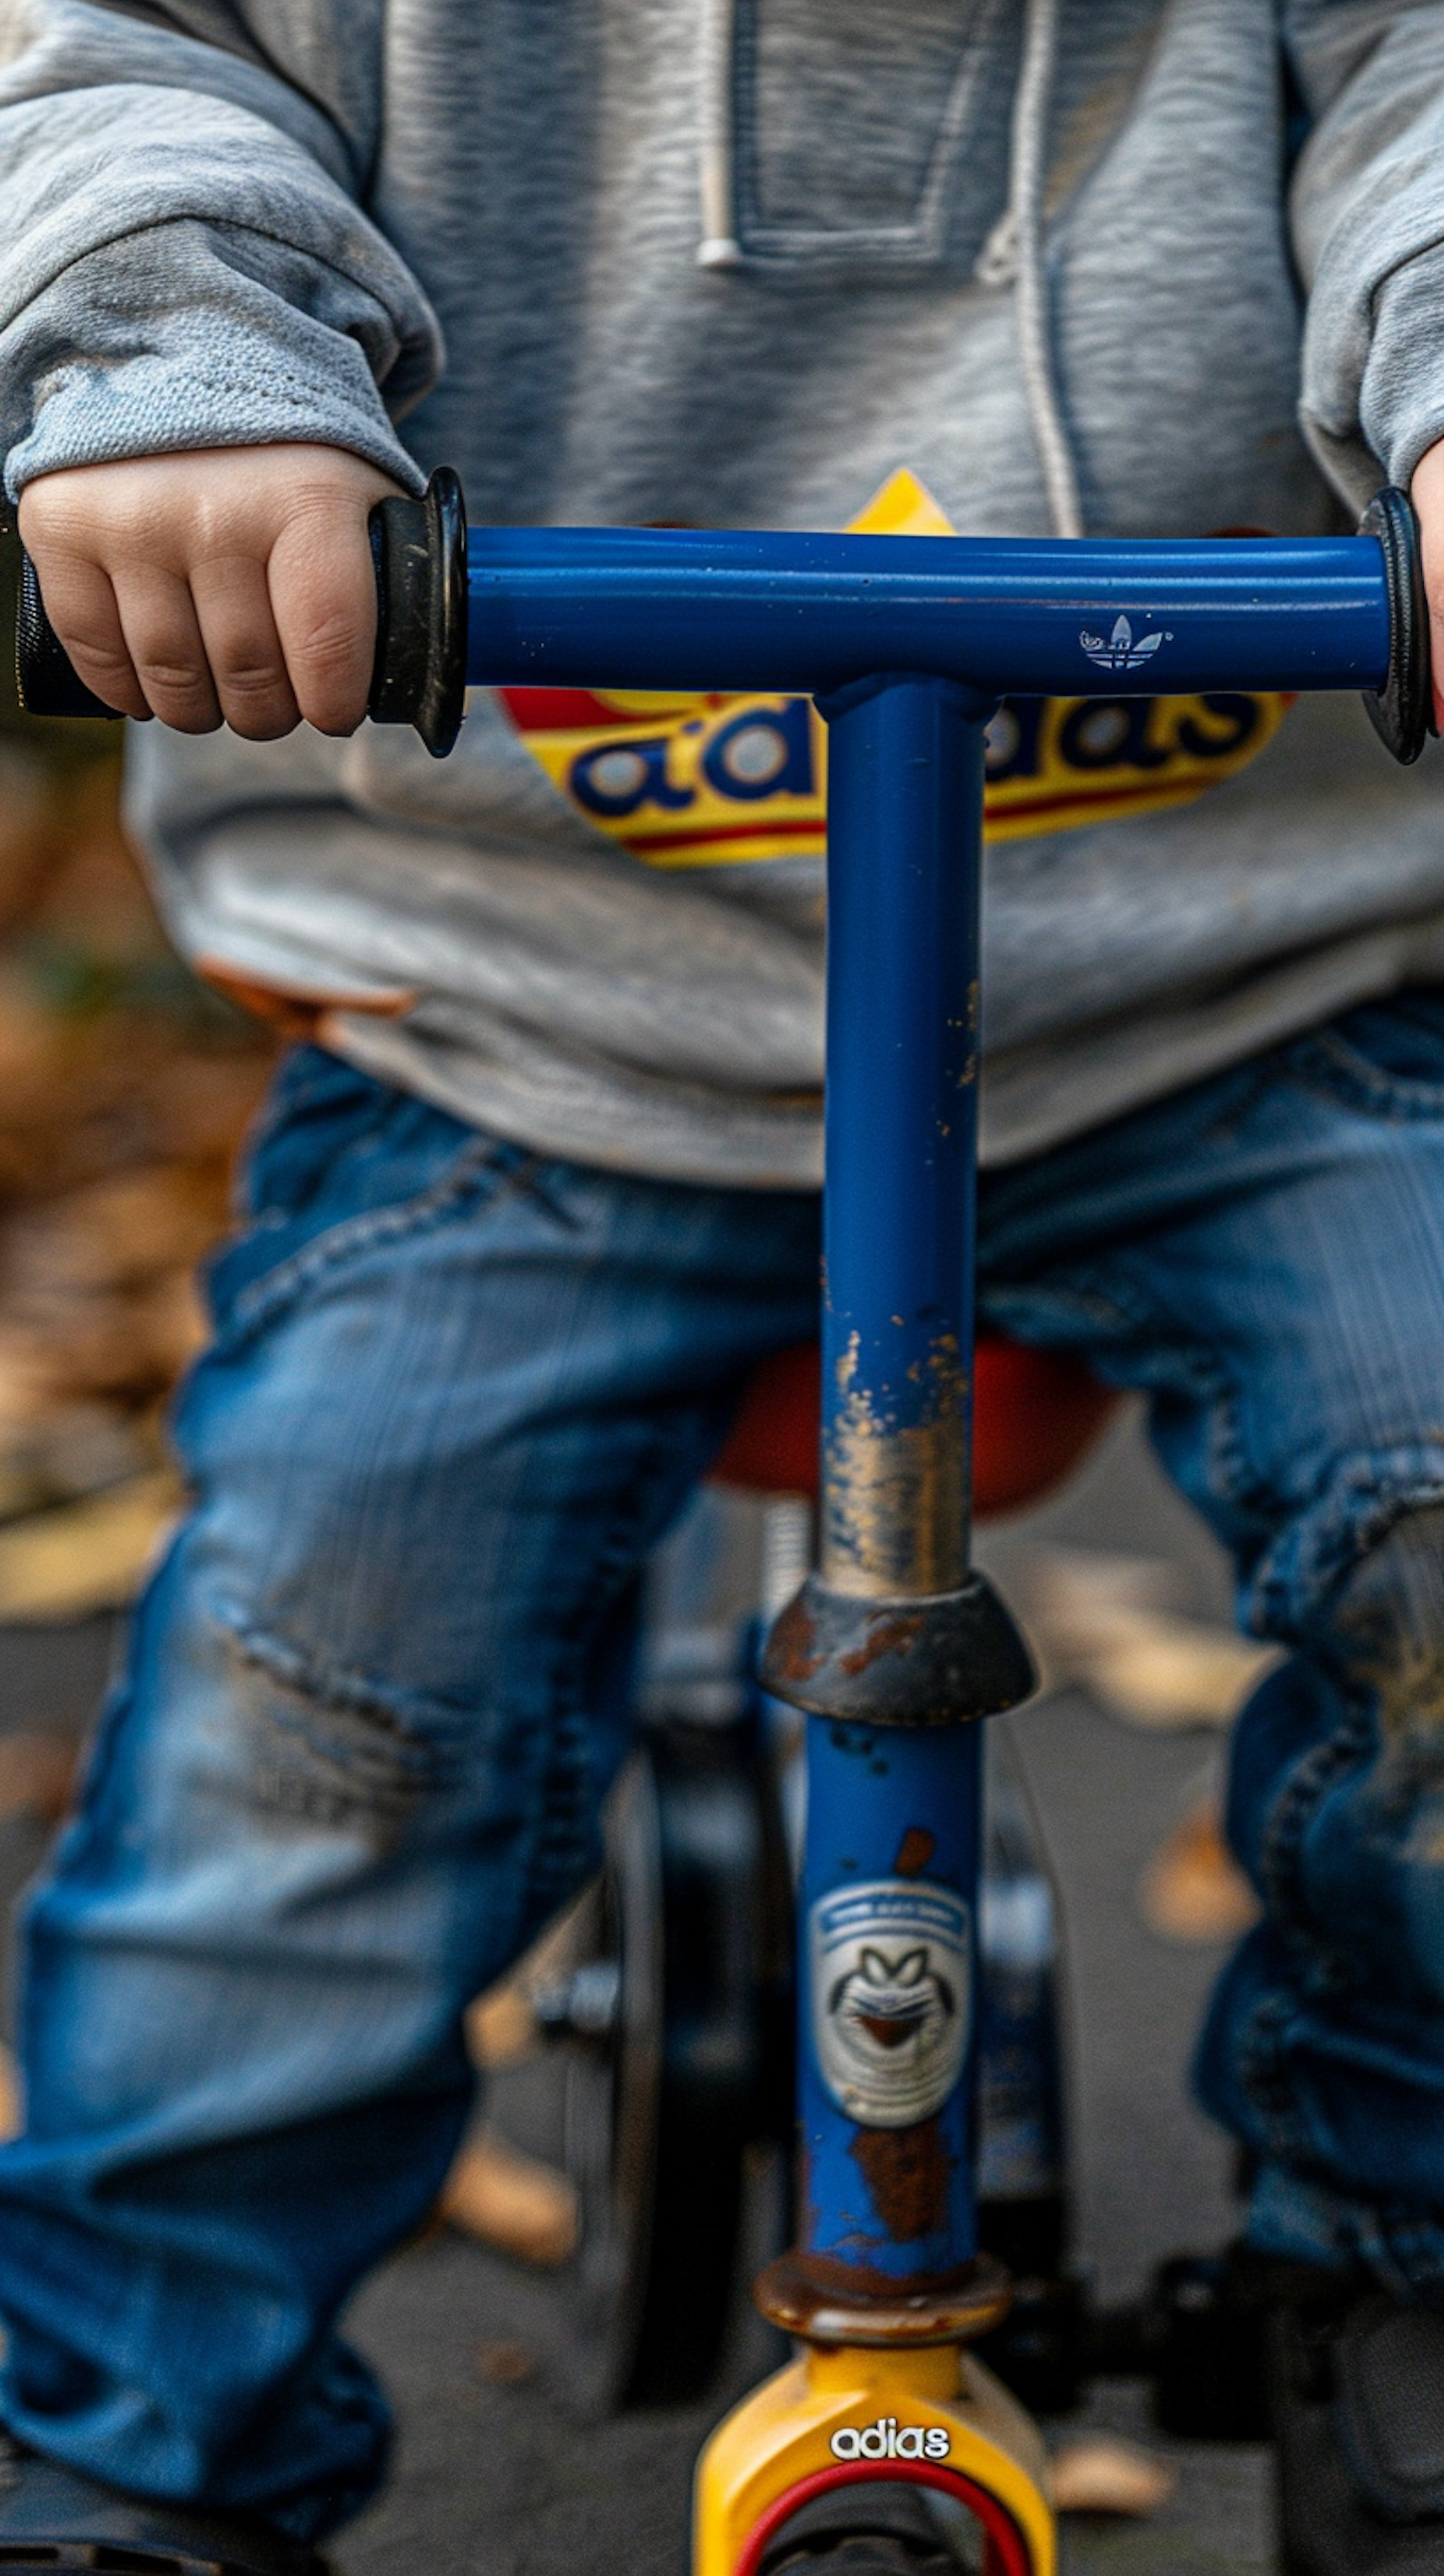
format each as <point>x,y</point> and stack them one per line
<point>1014,253</point>
<point>718,247</point>
<point>1027,179</point>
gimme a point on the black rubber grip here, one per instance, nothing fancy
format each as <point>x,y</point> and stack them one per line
<point>46,678</point>
<point>419,550</point>
<point>419,677</point>
<point>1402,712</point>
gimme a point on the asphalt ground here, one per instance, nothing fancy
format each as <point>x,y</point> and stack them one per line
<point>497,2473</point>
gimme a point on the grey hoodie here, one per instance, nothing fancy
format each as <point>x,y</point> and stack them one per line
<point>735,262</point>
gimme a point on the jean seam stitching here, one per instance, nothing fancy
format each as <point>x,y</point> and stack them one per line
<point>1264,2080</point>
<point>329,1684</point>
<point>1293,1811</point>
<point>1232,1478</point>
<point>1356,1510</point>
<point>262,1298</point>
<point>558,1843</point>
<point>1330,1064</point>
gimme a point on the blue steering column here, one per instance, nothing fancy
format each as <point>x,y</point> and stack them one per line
<point>895,1643</point>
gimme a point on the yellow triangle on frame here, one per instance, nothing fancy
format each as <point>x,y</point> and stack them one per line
<point>903,507</point>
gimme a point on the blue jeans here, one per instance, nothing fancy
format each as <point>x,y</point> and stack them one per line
<point>379,1684</point>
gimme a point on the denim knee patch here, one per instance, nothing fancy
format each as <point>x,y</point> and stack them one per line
<point>254,1281</point>
<point>1356,1583</point>
<point>1324,2045</point>
<point>1294,1586</point>
<point>337,1749</point>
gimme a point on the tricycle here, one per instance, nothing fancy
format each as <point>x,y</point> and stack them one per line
<point>886,2427</point>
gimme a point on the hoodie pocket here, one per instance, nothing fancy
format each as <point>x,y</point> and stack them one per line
<point>847,135</point>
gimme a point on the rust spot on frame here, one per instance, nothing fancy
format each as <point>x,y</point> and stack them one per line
<point>906,2172</point>
<point>888,1636</point>
<point>914,1852</point>
<point>896,1516</point>
<point>793,1650</point>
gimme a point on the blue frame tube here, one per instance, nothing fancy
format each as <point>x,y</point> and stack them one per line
<point>640,608</point>
<point>905,795</point>
<point>891,1870</point>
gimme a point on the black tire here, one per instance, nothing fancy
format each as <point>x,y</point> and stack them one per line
<point>878,2528</point>
<point>678,2077</point>
<point>867,2553</point>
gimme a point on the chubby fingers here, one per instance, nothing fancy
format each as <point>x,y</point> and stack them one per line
<point>196,652</point>
<point>254,645</point>
<point>323,598</point>
<point>242,666</point>
<point>229,586</point>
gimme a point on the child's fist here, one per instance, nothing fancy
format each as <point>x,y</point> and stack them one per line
<point>232,585</point>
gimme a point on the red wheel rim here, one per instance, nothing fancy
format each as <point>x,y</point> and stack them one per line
<point>1008,2553</point>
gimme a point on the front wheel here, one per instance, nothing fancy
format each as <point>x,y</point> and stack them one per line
<point>885,2527</point>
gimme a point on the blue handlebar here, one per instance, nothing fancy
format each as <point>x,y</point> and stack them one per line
<point>1007,616</point>
<point>737,610</point>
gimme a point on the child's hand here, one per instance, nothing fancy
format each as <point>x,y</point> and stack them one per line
<point>1427,494</point>
<point>232,585</point>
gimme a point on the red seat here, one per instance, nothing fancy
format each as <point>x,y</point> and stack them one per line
<point>1035,1414</point>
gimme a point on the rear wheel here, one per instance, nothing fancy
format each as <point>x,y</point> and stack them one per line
<point>672,2010</point>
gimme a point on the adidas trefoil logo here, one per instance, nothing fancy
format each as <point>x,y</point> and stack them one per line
<point>1121,652</point>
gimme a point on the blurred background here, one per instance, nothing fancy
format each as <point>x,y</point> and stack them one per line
<point>125,1087</point>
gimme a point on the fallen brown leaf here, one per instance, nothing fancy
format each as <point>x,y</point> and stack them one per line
<point>506,2365</point>
<point>205,1103</point>
<point>125,1347</point>
<point>86,1556</point>
<point>40,809</point>
<point>71,1451</point>
<point>1099,2474</point>
<point>1104,1621</point>
<point>1193,1889</point>
<point>37,1773</point>
<point>117,1233</point>
<point>510,2201</point>
<point>29,1396</point>
<point>12,2113</point>
<point>83,1103</point>
<point>500,2030</point>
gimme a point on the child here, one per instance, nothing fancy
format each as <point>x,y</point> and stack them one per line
<point>545,1188</point>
